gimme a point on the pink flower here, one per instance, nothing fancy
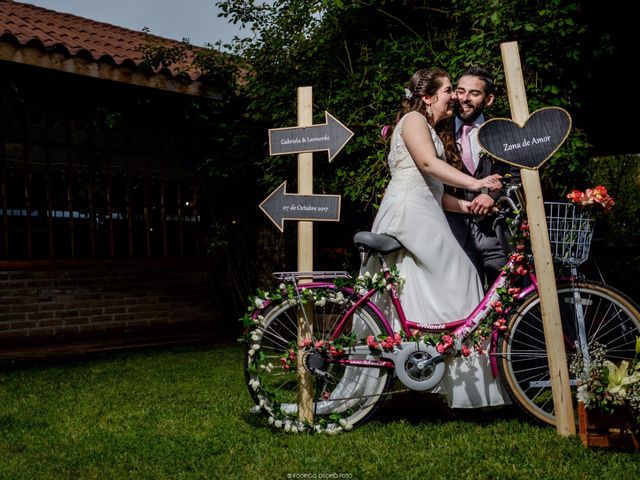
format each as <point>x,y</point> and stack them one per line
<point>465,351</point>
<point>440,348</point>
<point>497,306</point>
<point>516,257</point>
<point>335,352</point>
<point>521,270</point>
<point>387,343</point>
<point>501,324</point>
<point>371,341</point>
<point>384,131</point>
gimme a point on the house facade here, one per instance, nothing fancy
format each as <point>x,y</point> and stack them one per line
<point>106,217</point>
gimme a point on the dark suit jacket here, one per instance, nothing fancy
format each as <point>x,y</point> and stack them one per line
<point>460,222</point>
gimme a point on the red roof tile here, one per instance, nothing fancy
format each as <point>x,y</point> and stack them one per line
<point>40,27</point>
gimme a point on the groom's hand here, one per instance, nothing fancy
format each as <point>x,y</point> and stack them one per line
<point>482,205</point>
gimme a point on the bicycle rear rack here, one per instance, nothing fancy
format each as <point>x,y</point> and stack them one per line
<point>318,275</point>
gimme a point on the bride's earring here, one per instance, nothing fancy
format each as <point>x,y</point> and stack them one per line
<point>428,111</point>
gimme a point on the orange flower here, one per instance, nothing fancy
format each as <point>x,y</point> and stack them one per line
<point>592,196</point>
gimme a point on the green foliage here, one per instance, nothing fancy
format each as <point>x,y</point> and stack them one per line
<point>621,175</point>
<point>220,70</point>
<point>359,55</point>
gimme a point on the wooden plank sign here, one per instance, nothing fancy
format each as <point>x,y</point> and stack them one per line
<point>330,136</point>
<point>280,206</point>
<point>530,145</point>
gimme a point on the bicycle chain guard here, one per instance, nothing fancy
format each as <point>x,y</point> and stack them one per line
<point>418,366</point>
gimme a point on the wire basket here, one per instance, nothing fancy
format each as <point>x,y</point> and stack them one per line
<point>570,232</point>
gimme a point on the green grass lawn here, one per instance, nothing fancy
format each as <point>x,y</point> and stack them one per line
<point>184,413</point>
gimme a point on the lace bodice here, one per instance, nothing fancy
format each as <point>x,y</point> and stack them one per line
<point>405,175</point>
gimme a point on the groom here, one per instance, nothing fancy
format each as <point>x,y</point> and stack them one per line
<point>474,92</point>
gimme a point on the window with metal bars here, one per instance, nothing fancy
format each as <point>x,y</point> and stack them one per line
<point>66,203</point>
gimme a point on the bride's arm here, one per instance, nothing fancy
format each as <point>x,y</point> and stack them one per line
<point>417,138</point>
<point>453,204</point>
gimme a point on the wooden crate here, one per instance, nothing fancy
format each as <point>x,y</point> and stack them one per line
<point>607,430</point>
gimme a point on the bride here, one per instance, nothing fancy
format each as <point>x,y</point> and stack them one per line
<point>441,282</point>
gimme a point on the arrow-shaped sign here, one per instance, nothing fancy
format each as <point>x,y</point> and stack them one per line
<point>280,206</point>
<point>330,136</point>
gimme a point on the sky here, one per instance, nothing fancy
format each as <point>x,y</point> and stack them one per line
<point>196,20</point>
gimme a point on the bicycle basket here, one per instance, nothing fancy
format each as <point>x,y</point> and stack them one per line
<point>570,232</point>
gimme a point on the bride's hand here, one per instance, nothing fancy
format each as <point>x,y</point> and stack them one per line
<point>490,183</point>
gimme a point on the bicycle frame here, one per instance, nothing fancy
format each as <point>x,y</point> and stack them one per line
<point>459,329</point>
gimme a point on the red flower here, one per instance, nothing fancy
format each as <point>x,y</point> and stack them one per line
<point>592,196</point>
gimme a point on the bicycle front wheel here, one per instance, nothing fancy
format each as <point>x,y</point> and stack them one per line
<point>610,318</point>
<point>342,394</point>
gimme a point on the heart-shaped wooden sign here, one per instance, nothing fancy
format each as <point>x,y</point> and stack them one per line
<point>531,145</point>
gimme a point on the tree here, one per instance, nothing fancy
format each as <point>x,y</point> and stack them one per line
<point>359,55</point>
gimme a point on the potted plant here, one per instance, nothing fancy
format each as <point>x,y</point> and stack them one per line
<point>608,398</point>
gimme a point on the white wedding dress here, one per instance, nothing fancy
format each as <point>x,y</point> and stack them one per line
<point>441,282</point>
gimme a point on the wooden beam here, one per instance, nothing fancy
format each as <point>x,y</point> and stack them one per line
<point>35,57</point>
<point>305,259</point>
<point>551,322</point>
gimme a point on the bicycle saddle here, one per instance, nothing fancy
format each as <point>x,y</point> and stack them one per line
<point>374,241</point>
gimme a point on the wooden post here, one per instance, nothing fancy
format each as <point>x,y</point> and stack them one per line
<point>305,258</point>
<point>552,326</point>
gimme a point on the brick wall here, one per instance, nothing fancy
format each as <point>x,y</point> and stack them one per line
<point>52,305</point>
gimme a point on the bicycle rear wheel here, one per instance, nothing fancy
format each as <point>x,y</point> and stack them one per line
<point>610,318</point>
<point>342,394</point>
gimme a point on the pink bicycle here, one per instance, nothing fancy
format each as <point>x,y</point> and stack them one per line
<point>354,354</point>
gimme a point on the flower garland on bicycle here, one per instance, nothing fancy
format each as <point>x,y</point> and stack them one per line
<point>494,323</point>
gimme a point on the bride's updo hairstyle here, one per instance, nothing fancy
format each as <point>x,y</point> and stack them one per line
<point>427,82</point>
<point>424,82</point>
